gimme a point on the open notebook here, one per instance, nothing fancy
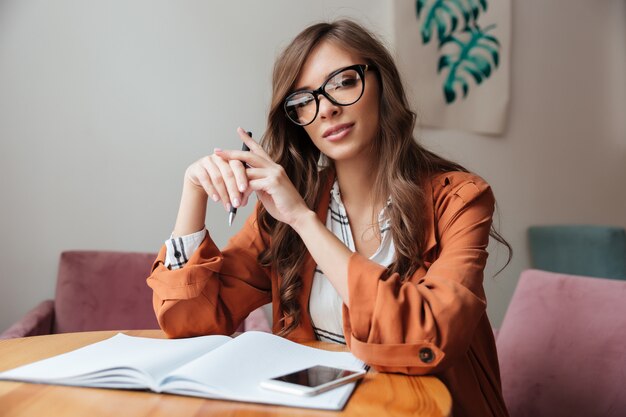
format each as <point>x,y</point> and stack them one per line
<point>217,367</point>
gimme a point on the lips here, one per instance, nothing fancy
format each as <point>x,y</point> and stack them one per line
<point>337,130</point>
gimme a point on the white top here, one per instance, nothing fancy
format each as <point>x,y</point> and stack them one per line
<point>325,303</point>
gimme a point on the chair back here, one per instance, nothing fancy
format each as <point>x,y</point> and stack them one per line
<point>595,251</point>
<point>562,346</point>
<point>101,290</point>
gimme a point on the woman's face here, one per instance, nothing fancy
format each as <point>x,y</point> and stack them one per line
<point>340,132</point>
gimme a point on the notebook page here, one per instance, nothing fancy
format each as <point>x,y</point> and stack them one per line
<point>129,361</point>
<point>236,369</point>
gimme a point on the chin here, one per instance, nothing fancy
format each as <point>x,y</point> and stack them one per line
<point>342,154</point>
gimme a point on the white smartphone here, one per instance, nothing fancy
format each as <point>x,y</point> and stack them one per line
<point>312,381</point>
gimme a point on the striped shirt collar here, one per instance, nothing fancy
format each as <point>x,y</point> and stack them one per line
<point>336,203</point>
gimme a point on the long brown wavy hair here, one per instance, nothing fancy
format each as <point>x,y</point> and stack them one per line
<point>404,165</point>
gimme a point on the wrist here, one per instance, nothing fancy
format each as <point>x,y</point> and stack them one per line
<point>191,188</point>
<point>304,220</point>
<point>192,210</point>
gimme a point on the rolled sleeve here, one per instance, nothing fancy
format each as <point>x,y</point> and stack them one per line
<point>215,290</point>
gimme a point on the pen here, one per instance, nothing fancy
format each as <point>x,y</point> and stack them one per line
<point>233,210</point>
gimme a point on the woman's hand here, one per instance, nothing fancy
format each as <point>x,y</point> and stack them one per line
<point>268,179</point>
<point>283,202</point>
<point>215,177</point>
<point>220,179</point>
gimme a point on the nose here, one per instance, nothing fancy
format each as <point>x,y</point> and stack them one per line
<point>327,108</point>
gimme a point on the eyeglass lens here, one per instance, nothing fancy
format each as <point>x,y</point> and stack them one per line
<point>343,88</point>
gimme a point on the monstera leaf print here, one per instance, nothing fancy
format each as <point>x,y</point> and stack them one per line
<point>444,16</point>
<point>477,52</point>
<point>477,57</point>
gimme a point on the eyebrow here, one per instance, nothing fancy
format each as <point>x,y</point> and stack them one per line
<point>307,88</point>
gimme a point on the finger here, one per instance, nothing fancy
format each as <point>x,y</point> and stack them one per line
<point>261,184</point>
<point>205,182</point>
<point>216,179</point>
<point>239,170</point>
<point>255,173</point>
<point>228,176</point>
<point>197,175</point>
<point>263,197</point>
<point>246,195</point>
<point>251,143</point>
<point>248,158</point>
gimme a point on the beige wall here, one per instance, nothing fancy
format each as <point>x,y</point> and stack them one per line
<point>563,156</point>
<point>103,105</point>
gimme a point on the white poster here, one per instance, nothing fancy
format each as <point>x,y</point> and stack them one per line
<point>455,58</point>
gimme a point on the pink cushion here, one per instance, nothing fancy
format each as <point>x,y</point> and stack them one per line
<point>99,290</point>
<point>257,320</point>
<point>562,346</point>
<point>36,322</point>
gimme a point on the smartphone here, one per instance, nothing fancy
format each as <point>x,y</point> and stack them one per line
<point>312,381</point>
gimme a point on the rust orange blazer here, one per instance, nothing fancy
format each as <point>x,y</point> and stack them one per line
<point>433,323</point>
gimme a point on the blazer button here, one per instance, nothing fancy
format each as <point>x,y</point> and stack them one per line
<point>426,355</point>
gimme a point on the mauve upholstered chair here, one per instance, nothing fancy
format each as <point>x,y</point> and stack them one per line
<point>562,346</point>
<point>102,290</point>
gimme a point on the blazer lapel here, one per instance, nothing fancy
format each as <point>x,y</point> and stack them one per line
<point>429,212</point>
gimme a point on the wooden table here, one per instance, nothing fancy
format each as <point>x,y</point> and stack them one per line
<point>379,394</point>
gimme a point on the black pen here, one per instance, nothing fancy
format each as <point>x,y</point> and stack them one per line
<point>233,210</point>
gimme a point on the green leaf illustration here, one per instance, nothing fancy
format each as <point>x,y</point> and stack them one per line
<point>440,19</point>
<point>470,60</point>
<point>478,52</point>
<point>419,5</point>
<point>443,16</point>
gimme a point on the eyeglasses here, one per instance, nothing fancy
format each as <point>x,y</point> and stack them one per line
<point>343,88</point>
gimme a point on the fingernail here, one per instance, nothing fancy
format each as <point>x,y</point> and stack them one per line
<point>236,202</point>
<point>217,150</point>
<point>228,207</point>
<point>242,188</point>
<point>215,197</point>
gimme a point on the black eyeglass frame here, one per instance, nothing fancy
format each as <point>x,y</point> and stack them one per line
<point>361,69</point>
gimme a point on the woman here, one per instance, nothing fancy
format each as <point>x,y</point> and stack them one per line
<point>360,236</point>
